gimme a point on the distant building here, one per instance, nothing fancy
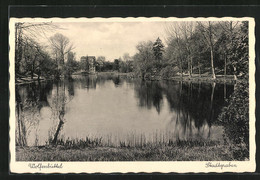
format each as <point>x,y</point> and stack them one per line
<point>89,63</point>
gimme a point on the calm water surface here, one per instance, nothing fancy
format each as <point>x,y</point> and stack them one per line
<point>119,109</point>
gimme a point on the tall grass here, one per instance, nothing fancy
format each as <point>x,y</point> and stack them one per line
<point>180,150</point>
<point>156,147</point>
<point>132,141</point>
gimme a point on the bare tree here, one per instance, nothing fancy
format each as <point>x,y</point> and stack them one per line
<point>187,30</point>
<point>210,36</point>
<point>25,30</point>
<point>61,46</point>
<point>174,32</point>
<point>229,28</point>
<point>182,33</point>
<point>33,56</point>
<point>127,58</point>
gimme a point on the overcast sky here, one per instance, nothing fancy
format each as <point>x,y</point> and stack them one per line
<point>110,39</point>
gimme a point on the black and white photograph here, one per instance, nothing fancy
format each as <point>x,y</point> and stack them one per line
<point>132,95</point>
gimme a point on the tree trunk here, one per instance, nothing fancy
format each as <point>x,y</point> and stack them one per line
<point>181,69</point>
<point>225,91</point>
<point>54,141</point>
<point>19,124</point>
<point>32,75</point>
<point>39,77</point>
<point>225,68</point>
<point>212,63</point>
<point>191,66</point>
<point>235,69</point>
<point>142,74</point>
<point>199,88</point>
<point>199,69</point>
<point>18,47</point>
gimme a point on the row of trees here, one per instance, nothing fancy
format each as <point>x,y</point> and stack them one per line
<point>123,65</point>
<point>197,48</point>
<point>192,48</point>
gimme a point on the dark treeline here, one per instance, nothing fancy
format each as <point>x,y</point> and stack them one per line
<point>123,65</point>
<point>210,48</point>
<point>192,48</point>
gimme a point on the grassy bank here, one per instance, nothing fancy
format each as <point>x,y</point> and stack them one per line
<point>194,78</point>
<point>28,79</point>
<point>175,152</point>
<point>205,78</point>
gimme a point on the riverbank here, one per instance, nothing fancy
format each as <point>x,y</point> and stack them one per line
<point>27,80</point>
<point>206,78</point>
<point>184,152</point>
<point>194,78</point>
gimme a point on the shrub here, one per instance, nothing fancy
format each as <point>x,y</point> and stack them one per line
<point>168,72</point>
<point>235,120</point>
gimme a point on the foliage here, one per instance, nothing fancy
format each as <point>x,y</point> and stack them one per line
<point>100,63</point>
<point>71,65</point>
<point>235,118</point>
<point>144,59</point>
<point>168,72</point>
<point>33,58</point>
<point>25,31</point>
<point>84,63</point>
<point>61,46</point>
<point>175,54</point>
<point>239,51</point>
<point>158,49</point>
<point>207,46</point>
<point>201,47</point>
<point>116,65</point>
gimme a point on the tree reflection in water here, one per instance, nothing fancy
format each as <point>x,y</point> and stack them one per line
<point>149,93</point>
<point>32,103</point>
<point>60,99</point>
<point>195,106</point>
<point>30,99</point>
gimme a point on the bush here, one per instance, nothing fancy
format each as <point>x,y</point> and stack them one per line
<point>168,72</point>
<point>235,120</point>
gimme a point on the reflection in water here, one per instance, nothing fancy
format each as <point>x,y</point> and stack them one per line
<point>195,106</point>
<point>149,94</point>
<point>118,109</point>
<point>30,100</point>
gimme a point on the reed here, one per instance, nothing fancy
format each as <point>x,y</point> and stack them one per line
<point>134,147</point>
<point>131,141</point>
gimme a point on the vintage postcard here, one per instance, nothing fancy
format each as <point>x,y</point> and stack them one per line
<point>136,95</point>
